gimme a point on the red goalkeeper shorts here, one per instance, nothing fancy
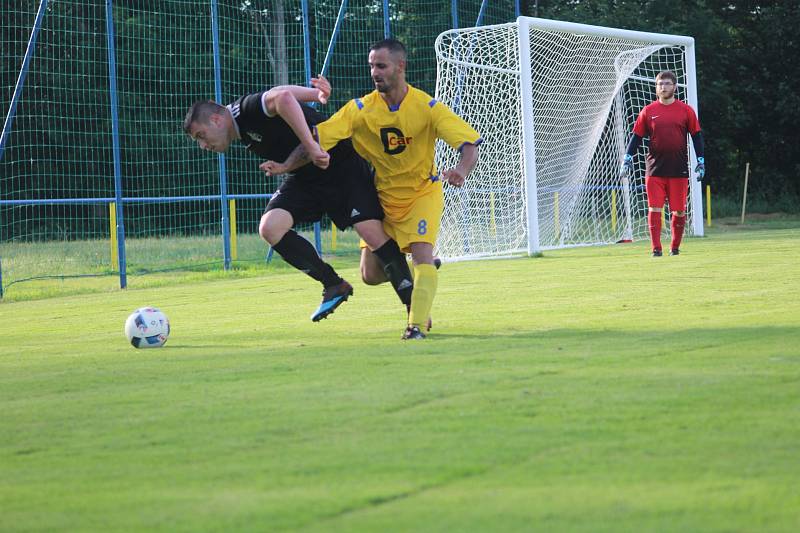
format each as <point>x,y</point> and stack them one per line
<point>673,189</point>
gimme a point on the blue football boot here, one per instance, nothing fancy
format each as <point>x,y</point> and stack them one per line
<point>332,297</point>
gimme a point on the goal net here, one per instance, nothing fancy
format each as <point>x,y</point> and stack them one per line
<point>555,103</point>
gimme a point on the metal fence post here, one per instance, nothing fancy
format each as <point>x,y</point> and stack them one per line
<point>223,177</point>
<point>112,80</point>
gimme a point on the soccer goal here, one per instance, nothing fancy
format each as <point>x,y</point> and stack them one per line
<point>555,103</point>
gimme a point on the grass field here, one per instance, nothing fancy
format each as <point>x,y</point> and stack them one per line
<point>32,270</point>
<point>592,389</point>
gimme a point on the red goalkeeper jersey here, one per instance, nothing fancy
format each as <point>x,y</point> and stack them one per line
<point>667,126</point>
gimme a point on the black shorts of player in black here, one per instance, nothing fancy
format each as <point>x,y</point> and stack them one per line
<point>345,191</point>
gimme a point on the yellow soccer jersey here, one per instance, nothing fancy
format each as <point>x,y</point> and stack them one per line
<point>398,142</point>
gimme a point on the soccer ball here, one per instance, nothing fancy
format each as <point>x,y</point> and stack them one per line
<point>147,327</point>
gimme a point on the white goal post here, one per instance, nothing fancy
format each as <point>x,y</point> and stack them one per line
<point>555,103</point>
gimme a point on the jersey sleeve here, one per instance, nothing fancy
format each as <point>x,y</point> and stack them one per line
<point>252,112</point>
<point>692,124</point>
<point>641,128</point>
<point>451,128</point>
<point>338,127</point>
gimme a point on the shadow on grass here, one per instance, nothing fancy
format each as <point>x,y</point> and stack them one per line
<point>776,341</point>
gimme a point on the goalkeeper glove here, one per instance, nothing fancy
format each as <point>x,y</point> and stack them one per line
<point>627,165</point>
<point>700,168</point>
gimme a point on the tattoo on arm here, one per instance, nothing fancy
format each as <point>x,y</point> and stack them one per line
<point>298,158</point>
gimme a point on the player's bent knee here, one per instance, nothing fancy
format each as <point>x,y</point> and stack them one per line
<point>371,231</point>
<point>265,231</point>
<point>679,213</point>
<point>273,226</point>
<point>422,253</point>
<point>271,234</point>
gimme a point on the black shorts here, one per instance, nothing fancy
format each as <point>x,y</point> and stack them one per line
<point>345,192</point>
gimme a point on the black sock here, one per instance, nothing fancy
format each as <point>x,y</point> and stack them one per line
<point>396,269</point>
<point>301,254</point>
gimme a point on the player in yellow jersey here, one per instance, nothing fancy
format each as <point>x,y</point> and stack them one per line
<point>395,128</point>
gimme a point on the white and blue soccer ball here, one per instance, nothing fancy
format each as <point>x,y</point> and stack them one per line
<point>147,327</point>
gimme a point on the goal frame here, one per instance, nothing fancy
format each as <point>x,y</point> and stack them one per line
<point>524,25</point>
<point>528,148</point>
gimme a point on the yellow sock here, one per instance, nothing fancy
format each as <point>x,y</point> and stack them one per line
<point>426,278</point>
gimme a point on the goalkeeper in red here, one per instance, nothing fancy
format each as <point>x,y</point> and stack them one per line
<point>395,128</point>
<point>667,121</point>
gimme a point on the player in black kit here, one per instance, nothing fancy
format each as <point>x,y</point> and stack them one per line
<point>340,184</point>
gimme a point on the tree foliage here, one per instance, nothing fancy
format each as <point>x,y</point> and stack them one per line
<point>746,54</point>
<point>60,144</point>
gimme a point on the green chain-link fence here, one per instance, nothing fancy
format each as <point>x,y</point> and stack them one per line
<point>147,62</point>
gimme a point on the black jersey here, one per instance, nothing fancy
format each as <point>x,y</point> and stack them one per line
<point>272,138</point>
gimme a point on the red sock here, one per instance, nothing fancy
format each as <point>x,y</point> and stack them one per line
<point>654,221</point>
<point>678,223</point>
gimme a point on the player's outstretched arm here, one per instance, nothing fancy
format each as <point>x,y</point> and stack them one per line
<point>319,91</point>
<point>284,101</point>
<point>458,174</point>
<point>286,105</point>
